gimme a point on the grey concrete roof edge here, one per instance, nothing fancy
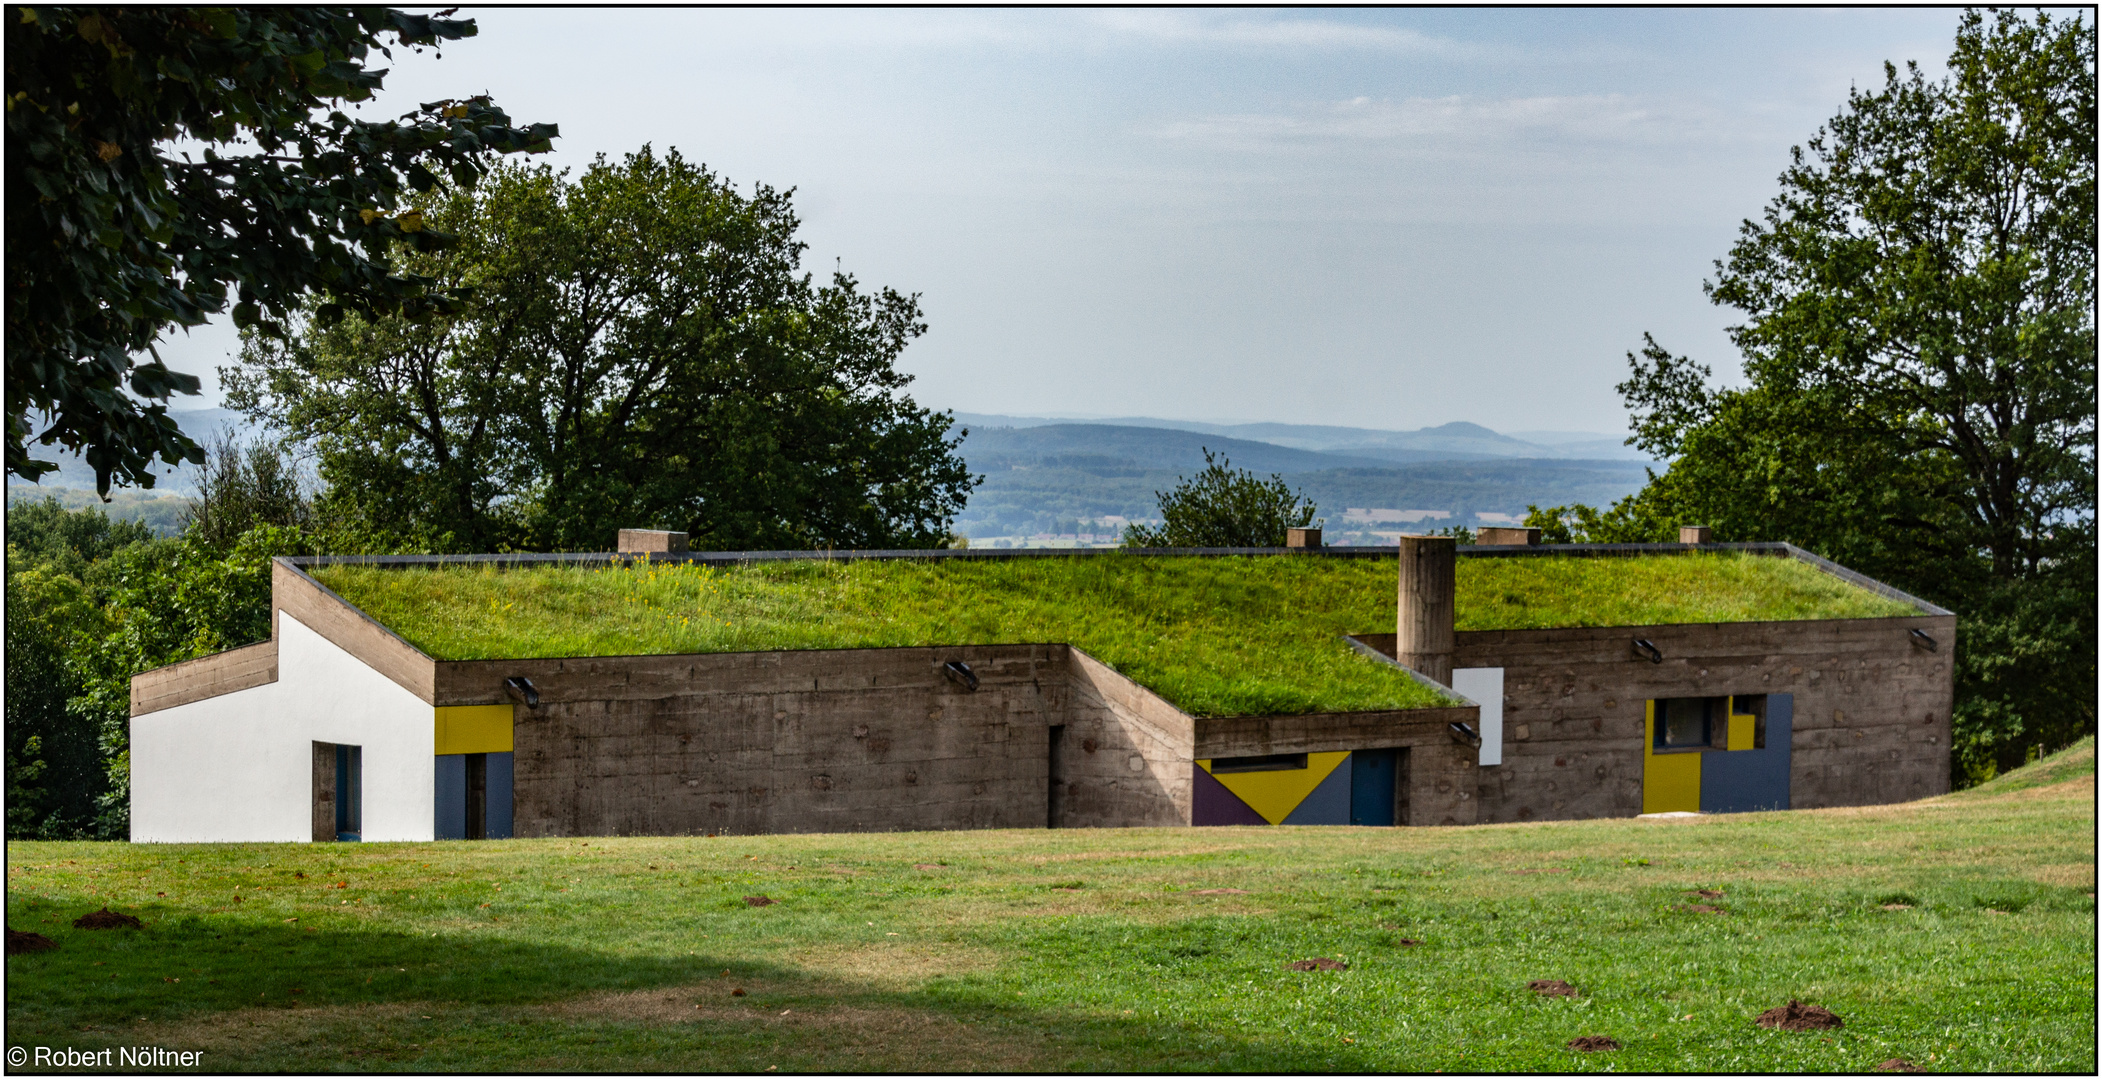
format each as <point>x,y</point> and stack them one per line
<point>292,563</point>
<point>1412,673</point>
<point>1863,580</point>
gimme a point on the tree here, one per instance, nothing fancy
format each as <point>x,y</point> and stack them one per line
<point>639,350</point>
<point>1919,343</point>
<point>92,602</point>
<point>159,156</point>
<point>1224,507</point>
<point>245,483</point>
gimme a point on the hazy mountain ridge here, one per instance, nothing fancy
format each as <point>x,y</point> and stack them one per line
<point>1446,442</point>
<point>1047,478</point>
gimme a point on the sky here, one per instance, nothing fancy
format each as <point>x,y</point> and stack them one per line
<point>1385,219</point>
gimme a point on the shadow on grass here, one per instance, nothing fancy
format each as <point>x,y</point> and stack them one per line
<point>264,996</point>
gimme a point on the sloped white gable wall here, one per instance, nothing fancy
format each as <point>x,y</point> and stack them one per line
<point>240,767</point>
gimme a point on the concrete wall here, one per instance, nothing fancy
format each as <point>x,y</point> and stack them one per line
<point>819,741</point>
<point>1127,753</point>
<point>239,766</point>
<point>1871,708</point>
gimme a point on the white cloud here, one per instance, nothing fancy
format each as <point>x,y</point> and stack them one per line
<point>1178,27</point>
<point>1462,123</point>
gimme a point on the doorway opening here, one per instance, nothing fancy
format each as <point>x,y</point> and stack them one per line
<point>339,792</point>
<point>1054,796</point>
<point>473,797</point>
<point>1379,787</point>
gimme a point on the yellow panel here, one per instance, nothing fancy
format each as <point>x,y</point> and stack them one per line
<point>1740,728</point>
<point>1670,782</point>
<point>1277,792</point>
<point>474,729</point>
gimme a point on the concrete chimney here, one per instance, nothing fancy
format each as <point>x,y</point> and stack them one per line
<point>1693,534</point>
<point>651,542</point>
<point>1503,535</point>
<point>1423,623</point>
<point>1303,538</point>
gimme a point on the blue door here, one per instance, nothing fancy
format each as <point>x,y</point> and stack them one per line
<point>1372,787</point>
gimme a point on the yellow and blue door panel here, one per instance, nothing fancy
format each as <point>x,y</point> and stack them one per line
<point>1671,782</point>
<point>1740,776</point>
<point>470,740</point>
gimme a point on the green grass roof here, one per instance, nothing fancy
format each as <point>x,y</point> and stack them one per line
<point>1218,636</point>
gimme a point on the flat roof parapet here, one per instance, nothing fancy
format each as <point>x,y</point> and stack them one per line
<point>851,554</point>
<point>742,558</point>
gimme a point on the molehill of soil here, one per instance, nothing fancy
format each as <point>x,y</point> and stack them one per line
<point>1899,1065</point>
<point>22,941</point>
<point>107,920</point>
<point>1706,894</point>
<point>1552,988</point>
<point>759,901</point>
<point>1591,1044</point>
<point>1796,1016</point>
<point>1319,963</point>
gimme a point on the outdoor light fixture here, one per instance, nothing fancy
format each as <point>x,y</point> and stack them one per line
<point>1464,734</point>
<point>1922,640</point>
<point>1646,648</point>
<point>521,689</point>
<point>961,674</point>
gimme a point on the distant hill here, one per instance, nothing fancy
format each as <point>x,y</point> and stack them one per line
<point>1048,478</point>
<point>203,425</point>
<point>1457,441</point>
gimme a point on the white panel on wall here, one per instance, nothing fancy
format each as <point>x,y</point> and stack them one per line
<point>1486,686</point>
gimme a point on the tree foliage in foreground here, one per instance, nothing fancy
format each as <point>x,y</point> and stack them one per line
<point>1919,342</point>
<point>1224,507</point>
<point>117,233</point>
<point>640,350</point>
<point>91,602</point>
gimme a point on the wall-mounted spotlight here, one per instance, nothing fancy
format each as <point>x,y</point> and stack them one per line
<point>960,673</point>
<point>521,690</point>
<point>1464,734</point>
<point>1923,640</point>
<point>1645,647</point>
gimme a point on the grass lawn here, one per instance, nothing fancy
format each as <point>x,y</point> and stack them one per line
<point>1958,933</point>
<point>1235,636</point>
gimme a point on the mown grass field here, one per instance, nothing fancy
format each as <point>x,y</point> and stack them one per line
<point>1234,636</point>
<point>1957,933</point>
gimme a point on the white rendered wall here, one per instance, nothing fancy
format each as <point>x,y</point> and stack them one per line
<point>1486,686</point>
<point>240,766</point>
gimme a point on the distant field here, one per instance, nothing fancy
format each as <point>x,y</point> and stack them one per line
<point>1216,636</point>
<point>1956,933</point>
<point>164,513</point>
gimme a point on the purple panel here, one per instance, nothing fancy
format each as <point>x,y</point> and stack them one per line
<point>1212,804</point>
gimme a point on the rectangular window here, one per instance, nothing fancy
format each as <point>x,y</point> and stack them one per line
<point>1259,763</point>
<point>1685,723</point>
